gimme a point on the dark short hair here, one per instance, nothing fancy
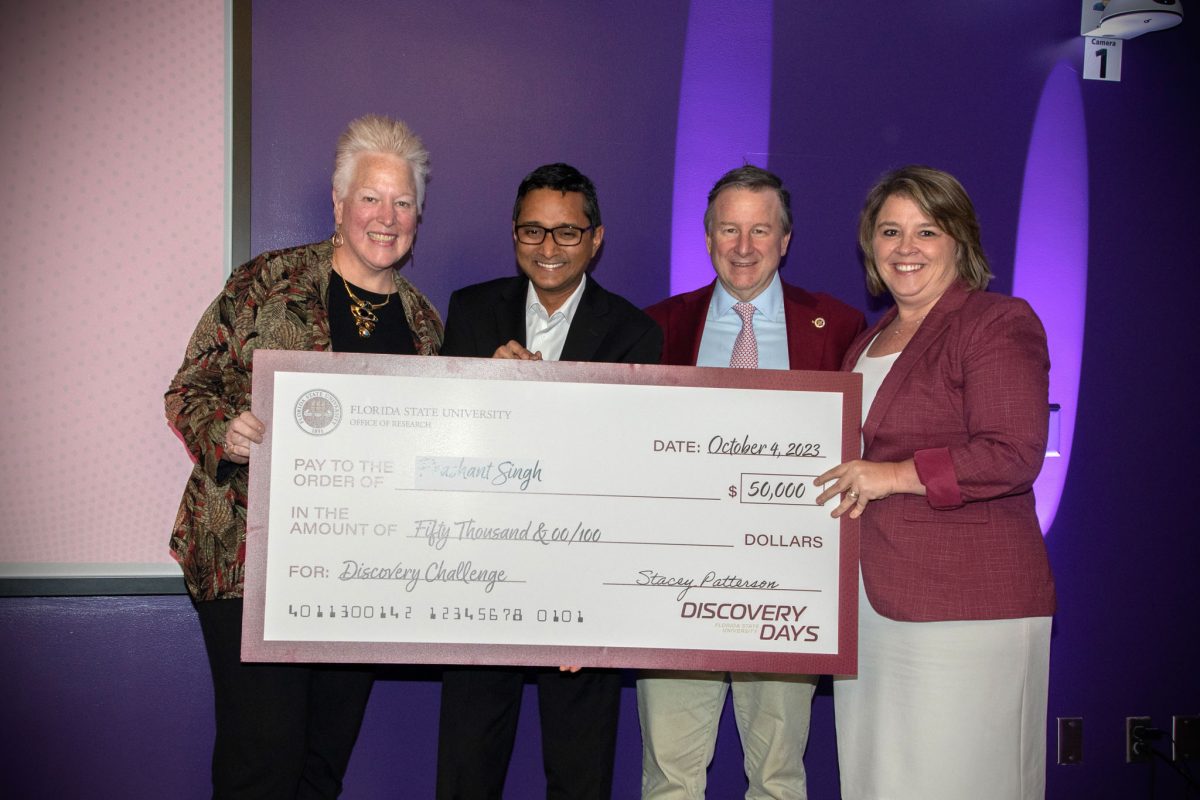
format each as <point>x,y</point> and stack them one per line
<point>943,199</point>
<point>563,178</point>
<point>754,179</point>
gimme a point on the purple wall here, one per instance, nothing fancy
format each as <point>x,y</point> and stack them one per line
<point>951,85</point>
<point>103,697</point>
<point>113,692</point>
<point>1124,543</point>
<point>494,89</point>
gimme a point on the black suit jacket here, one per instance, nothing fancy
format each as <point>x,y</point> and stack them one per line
<point>606,327</point>
<point>480,705</point>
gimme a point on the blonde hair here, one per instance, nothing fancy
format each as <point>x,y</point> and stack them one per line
<point>375,133</point>
<point>940,197</point>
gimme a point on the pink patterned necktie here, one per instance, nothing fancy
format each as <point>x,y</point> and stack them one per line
<point>745,347</point>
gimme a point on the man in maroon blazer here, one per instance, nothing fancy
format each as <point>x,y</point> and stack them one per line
<point>747,317</point>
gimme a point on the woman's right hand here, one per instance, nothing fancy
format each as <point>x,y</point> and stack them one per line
<point>242,432</point>
<point>860,481</point>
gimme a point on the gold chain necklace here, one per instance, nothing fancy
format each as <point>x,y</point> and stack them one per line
<point>899,329</point>
<point>362,311</point>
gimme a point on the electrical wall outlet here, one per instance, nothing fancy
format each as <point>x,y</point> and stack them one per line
<point>1137,749</point>
<point>1185,737</point>
<point>1070,740</point>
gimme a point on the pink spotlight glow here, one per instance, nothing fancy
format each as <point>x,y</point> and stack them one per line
<point>726,64</point>
<point>1050,268</point>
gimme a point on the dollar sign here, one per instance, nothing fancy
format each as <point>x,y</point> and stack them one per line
<point>732,491</point>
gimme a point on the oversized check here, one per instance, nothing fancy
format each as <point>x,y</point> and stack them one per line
<point>481,511</point>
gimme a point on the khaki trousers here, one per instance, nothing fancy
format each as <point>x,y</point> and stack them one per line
<point>680,711</point>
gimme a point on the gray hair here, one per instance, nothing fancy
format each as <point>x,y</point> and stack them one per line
<point>752,179</point>
<point>375,133</point>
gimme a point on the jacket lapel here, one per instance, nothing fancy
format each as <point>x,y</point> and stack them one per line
<point>510,311</point>
<point>697,316</point>
<point>930,331</point>
<point>588,325</point>
<point>803,338</point>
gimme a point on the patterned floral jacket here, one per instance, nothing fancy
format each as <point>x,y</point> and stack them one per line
<point>276,301</point>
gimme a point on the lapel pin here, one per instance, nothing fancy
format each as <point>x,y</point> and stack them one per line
<point>819,322</point>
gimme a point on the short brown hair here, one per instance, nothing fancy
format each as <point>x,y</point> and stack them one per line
<point>752,179</point>
<point>940,197</point>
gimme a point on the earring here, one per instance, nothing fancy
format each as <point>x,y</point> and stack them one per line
<point>337,239</point>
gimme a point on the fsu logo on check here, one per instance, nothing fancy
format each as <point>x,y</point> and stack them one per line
<point>318,412</point>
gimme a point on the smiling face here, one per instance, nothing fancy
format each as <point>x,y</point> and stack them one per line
<point>747,240</point>
<point>555,270</point>
<point>378,217</point>
<point>916,259</point>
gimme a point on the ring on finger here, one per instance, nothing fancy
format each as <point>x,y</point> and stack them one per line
<point>852,494</point>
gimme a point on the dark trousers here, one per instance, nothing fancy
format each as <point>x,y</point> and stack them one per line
<point>283,730</point>
<point>479,724</point>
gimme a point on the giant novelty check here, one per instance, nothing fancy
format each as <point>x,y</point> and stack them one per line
<point>446,510</point>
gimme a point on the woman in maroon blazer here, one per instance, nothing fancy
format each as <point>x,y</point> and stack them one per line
<point>954,614</point>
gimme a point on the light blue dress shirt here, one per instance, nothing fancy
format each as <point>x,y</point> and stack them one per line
<point>722,325</point>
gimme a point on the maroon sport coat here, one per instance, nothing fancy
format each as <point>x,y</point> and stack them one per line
<point>819,327</point>
<point>967,400</point>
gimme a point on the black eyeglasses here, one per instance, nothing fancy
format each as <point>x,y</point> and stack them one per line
<point>564,235</point>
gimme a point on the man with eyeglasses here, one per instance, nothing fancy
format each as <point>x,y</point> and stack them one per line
<point>553,311</point>
<point>747,317</point>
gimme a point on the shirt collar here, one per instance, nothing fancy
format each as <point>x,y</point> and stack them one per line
<point>769,303</point>
<point>534,306</point>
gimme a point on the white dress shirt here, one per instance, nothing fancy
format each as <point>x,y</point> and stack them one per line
<point>548,332</point>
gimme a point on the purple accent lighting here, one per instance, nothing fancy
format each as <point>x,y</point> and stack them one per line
<point>724,118</point>
<point>1050,268</point>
